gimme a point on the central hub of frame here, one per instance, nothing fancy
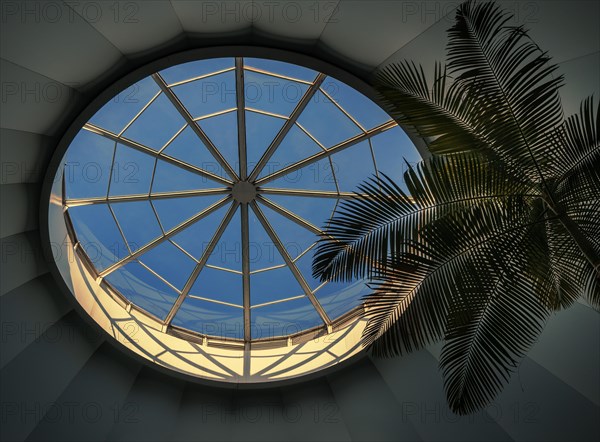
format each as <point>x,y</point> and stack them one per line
<point>244,191</point>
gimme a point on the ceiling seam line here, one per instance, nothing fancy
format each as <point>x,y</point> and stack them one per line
<point>70,87</point>
<point>378,67</point>
<point>97,31</point>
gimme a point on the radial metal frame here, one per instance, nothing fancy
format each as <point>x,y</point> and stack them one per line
<point>233,177</point>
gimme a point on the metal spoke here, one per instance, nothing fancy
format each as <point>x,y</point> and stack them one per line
<point>145,149</point>
<point>188,254</point>
<point>198,131</point>
<point>118,224</point>
<point>141,111</point>
<point>290,263</point>
<point>310,92</point>
<point>153,178</point>
<point>279,301</point>
<point>335,149</point>
<point>266,269</point>
<point>335,178</point>
<point>374,159</point>
<point>200,77</point>
<point>273,74</point>
<point>291,216</point>
<point>249,191</point>
<point>214,301</point>
<point>241,116</point>
<point>309,193</point>
<point>314,193</point>
<point>264,112</point>
<point>201,263</point>
<point>215,114</point>
<point>74,202</point>
<point>309,135</point>
<point>295,218</point>
<point>159,276</point>
<point>160,224</point>
<point>225,269</point>
<point>360,126</point>
<point>246,271</point>
<point>175,230</point>
<point>170,140</point>
<point>298,220</point>
<point>112,168</point>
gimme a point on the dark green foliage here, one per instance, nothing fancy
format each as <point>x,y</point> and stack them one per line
<point>501,225</point>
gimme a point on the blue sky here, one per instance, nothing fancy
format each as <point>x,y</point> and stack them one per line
<point>96,166</point>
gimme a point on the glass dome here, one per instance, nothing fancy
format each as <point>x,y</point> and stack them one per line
<point>198,193</point>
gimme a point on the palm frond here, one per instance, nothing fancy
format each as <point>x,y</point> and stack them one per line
<point>403,314</point>
<point>490,329</point>
<point>438,112</point>
<point>580,184</point>
<point>365,232</point>
<point>578,187</point>
<point>591,280</point>
<point>567,267</point>
<point>495,315</point>
<point>498,228</point>
<point>514,80</point>
<point>409,306</point>
<point>577,141</point>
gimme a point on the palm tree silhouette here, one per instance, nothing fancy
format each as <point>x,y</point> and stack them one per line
<point>501,224</point>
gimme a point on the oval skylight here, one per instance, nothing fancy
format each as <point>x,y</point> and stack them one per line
<point>197,194</point>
